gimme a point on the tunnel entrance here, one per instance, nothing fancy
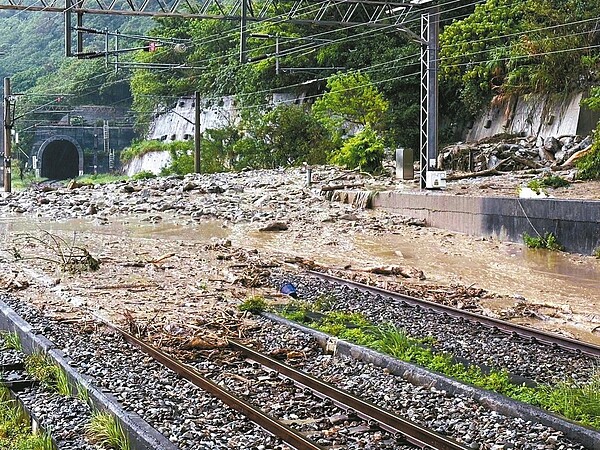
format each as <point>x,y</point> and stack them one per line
<point>60,159</point>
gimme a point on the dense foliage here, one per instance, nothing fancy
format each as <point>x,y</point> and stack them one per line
<point>515,47</point>
<point>363,81</point>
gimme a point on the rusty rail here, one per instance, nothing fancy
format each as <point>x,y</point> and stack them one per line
<point>411,431</point>
<point>509,328</point>
<point>278,429</point>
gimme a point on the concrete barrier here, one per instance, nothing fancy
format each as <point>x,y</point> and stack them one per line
<point>575,223</point>
<point>423,377</point>
<point>141,435</point>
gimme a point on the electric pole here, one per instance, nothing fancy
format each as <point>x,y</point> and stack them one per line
<point>244,32</point>
<point>430,32</point>
<point>197,134</point>
<point>7,136</point>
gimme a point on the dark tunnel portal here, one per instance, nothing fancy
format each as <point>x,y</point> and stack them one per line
<point>60,160</point>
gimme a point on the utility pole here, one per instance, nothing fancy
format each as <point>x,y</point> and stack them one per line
<point>244,32</point>
<point>429,93</point>
<point>7,136</point>
<point>197,134</point>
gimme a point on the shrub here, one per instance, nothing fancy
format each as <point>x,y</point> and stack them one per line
<point>141,148</point>
<point>589,164</point>
<point>554,181</point>
<point>535,186</point>
<point>182,158</point>
<point>548,241</point>
<point>365,150</point>
<point>144,175</point>
<point>254,304</point>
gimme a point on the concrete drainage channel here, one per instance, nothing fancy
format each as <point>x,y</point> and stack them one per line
<point>141,435</point>
<point>588,437</point>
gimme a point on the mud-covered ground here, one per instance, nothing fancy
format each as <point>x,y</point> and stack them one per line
<point>183,253</point>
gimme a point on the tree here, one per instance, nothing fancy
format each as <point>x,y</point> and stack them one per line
<point>218,149</point>
<point>351,99</point>
<point>530,46</point>
<point>293,136</point>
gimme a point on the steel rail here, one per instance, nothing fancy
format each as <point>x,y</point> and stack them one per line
<point>278,429</point>
<point>507,327</point>
<point>411,431</point>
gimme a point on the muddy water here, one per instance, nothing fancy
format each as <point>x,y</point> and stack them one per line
<point>134,227</point>
<point>568,285</point>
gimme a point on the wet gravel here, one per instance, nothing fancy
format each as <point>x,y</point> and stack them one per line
<point>66,418</point>
<point>453,415</point>
<point>194,420</point>
<point>186,415</point>
<point>257,196</point>
<point>471,341</point>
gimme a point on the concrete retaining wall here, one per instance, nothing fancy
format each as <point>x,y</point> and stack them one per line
<point>152,162</point>
<point>575,223</point>
<point>535,115</point>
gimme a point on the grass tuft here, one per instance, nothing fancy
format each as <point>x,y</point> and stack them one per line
<point>254,304</point>
<point>15,431</point>
<point>83,395</point>
<point>44,370</point>
<point>106,431</point>
<point>12,341</point>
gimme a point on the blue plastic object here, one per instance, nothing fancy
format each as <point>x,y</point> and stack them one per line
<point>289,289</point>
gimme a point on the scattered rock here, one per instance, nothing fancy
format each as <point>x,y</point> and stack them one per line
<point>275,226</point>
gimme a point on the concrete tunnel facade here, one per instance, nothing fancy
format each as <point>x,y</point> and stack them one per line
<point>60,157</point>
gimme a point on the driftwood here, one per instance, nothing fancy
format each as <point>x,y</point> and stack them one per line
<point>494,170</point>
<point>574,157</point>
<point>329,188</point>
<point>483,173</point>
<point>162,258</point>
<point>525,162</point>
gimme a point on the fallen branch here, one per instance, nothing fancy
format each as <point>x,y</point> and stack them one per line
<point>525,162</point>
<point>330,188</point>
<point>123,286</point>
<point>574,157</point>
<point>162,258</point>
<point>484,173</point>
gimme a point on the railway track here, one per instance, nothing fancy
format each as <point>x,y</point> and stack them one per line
<point>511,329</point>
<point>530,355</point>
<point>191,421</point>
<point>412,432</point>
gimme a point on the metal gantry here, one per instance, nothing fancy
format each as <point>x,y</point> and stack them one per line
<point>305,11</point>
<point>429,94</point>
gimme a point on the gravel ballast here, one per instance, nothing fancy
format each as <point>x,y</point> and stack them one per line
<point>471,341</point>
